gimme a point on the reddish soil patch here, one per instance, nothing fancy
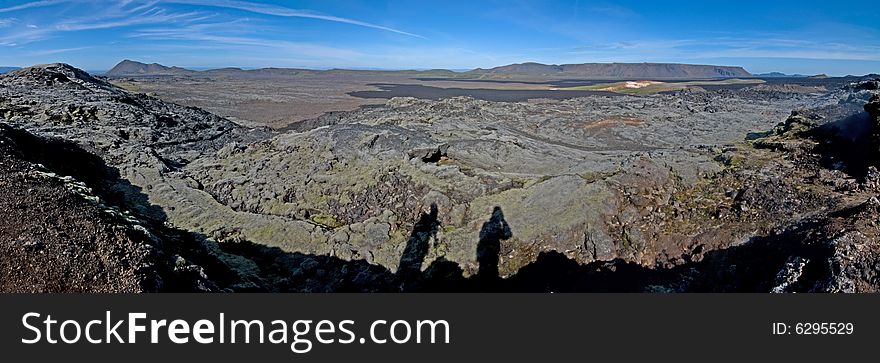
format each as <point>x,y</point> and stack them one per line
<point>613,121</point>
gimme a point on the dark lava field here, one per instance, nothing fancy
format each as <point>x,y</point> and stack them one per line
<point>126,185</point>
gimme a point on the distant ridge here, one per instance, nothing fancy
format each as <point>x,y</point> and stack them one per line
<point>7,69</point>
<point>618,70</point>
<point>779,75</point>
<point>128,68</point>
<point>132,68</point>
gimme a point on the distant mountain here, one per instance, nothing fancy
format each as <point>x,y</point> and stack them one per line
<point>7,69</point>
<point>779,75</point>
<point>133,68</point>
<point>128,68</point>
<point>617,70</point>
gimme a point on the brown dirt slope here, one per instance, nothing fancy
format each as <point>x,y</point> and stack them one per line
<point>56,237</point>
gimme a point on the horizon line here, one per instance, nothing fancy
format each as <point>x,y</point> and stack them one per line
<point>455,70</point>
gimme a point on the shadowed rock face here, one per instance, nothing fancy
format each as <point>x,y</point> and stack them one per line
<point>873,109</point>
<point>55,237</point>
<point>438,195</point>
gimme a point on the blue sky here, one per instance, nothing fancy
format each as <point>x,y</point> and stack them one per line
<point>789,36</point>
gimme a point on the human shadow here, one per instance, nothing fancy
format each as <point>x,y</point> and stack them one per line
<point>418,243</point>
<point>750,267</point>
<point>492,233</point>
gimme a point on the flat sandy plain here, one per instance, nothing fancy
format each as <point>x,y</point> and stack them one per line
<point>278,102</point>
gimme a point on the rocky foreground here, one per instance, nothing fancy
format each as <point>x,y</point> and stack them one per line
<point>751,190</point>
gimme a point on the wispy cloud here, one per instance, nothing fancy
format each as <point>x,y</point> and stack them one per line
<point>829,54</point>
<point>253,7</point>
<point>781,47</point>
<point>101,16</point>
<point>612,10</point>
<point>6,22</point>
<point>202,33</point>
<point>153,16</point>
<point>770,46</point>
<point>26,36</point>
<point>165,25</point>
<point>33,4</point>
<point>56,51</point>
<point>286,12</point>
